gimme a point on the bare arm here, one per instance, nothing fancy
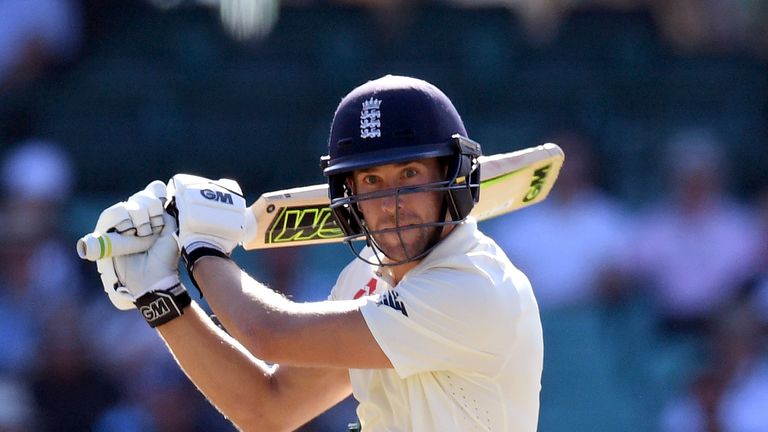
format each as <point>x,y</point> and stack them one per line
<point>327,334</point>
<point>252,394</point>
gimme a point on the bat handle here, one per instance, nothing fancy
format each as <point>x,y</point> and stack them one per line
<point>97,246</point>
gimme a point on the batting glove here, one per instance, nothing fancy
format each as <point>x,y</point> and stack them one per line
<point>141,216</point>
<point>150,280</point>
<point>210,214</point>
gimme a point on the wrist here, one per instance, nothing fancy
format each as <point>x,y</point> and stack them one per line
<point>191,243</point>
<point>193,256</point>
<point>161,306</point>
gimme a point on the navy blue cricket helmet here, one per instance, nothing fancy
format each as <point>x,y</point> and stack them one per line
<point>397,119</point>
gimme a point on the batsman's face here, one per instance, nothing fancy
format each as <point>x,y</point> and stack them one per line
<point>403,211</point>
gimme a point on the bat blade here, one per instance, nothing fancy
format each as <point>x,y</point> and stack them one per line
<point>302,216</point>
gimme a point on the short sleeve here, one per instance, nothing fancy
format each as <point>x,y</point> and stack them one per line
<point>444,319</point>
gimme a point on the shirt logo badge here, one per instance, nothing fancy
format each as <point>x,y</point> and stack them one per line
<point>392,299</point>
<point>369,289</point>
<point>370,119</point>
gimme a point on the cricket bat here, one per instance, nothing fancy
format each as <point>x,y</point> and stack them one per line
<point>302,216</point>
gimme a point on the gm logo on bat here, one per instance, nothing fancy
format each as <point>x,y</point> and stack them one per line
<point>219,196</point>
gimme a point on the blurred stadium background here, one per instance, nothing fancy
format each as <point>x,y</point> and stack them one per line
<point>649,262</point>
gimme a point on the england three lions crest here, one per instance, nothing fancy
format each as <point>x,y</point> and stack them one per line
<point>370,122</point>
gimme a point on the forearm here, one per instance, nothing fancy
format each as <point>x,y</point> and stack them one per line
<point>253,395</point>
<point>319,334</point>
<point>230,377</point>
<point>240,303</point>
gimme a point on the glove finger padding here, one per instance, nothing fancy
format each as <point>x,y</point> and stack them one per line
<point>114,218</point>
<point>141,214</point>
<point>146,209</point>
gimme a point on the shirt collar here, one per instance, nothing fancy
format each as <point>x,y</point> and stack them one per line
<point>460,240</point>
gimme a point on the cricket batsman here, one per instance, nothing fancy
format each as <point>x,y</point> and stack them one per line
<point>430,327</point>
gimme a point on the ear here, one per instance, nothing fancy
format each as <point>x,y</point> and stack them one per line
<point>350,182</point>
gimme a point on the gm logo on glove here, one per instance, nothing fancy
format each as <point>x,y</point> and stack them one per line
<point>155,309</point>
<point>219,196</point>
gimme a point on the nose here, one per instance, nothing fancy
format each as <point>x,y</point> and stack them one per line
<point>389,203</point>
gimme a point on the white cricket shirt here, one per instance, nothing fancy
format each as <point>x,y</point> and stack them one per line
<point>463,333</point>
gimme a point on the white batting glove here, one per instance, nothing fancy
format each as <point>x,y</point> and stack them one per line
<point>150,280</point>
<point>210,213</point>
<point>141,215</point>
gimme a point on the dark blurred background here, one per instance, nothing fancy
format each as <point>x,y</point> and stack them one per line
<point>648,260</point>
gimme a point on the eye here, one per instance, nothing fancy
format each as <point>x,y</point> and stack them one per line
<point>370,179</point>
<point>410,172</point>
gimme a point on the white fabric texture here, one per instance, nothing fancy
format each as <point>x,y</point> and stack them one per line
<point>462,331</point>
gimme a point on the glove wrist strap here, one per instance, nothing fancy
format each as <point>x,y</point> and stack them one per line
<point>190,259</point>
<point>160,307</point>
